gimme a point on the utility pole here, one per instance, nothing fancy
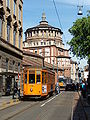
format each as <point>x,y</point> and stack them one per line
<point>57,70</point>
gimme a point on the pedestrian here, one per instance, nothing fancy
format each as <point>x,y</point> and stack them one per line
<point>18,92</point>
<point>15,89</point>
<point>77,86</point>
<point>83,89</point>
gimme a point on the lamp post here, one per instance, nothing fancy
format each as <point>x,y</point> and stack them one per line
<point>57,70</point>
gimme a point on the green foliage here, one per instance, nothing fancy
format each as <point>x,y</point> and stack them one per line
<point>80,43</point>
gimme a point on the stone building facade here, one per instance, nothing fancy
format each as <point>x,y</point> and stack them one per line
<point>74,72</point>
<point>46,41</point>
<point>10,43</point>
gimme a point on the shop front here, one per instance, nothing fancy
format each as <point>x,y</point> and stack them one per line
<point>7,81</point>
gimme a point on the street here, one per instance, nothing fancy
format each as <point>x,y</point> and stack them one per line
<point>57,107</point>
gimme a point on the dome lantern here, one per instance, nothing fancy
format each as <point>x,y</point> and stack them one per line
<point>43,17</point>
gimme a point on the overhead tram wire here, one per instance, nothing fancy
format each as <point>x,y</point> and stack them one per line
<point>59,19</point>
<point>57,14</point>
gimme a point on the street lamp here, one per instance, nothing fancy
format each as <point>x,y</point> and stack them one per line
<point>57,70</point>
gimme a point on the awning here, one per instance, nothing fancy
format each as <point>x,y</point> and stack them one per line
<point>8,73</point>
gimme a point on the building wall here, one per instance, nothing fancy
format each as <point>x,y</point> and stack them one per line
<point>11,37</point>
<point>47,42</point>
<point>74,72</point>
<point>14,21</point>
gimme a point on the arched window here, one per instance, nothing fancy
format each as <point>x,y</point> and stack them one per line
<point>8,3</point>
<point>9,19</point>
<point>20,12</point>
<point>14,32</point>
<point>8,31</point>
<point>14,36</point>
<point>14,7</point>
<point>20,39</point>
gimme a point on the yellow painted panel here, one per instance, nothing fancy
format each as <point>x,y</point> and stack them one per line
<point>33,89</point>
<point>60,83</point>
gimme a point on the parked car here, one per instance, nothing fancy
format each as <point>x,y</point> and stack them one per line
<point>70,87</point>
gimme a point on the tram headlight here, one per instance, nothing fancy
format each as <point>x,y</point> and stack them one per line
<point>31,89</point>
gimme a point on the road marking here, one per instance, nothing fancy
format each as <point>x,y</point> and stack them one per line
<point>49,100</point>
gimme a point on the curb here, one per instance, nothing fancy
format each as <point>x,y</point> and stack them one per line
<point>9,103</point>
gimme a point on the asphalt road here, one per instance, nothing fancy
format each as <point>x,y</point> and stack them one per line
<point>54,108</point>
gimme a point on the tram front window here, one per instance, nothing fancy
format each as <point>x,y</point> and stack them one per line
<point>31,78</point>
<point>38,76</point>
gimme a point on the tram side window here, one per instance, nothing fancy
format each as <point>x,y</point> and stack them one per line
<point>38,77</point>
<point>42,77</point>
<point>31,78</point>
<point>25,78</point>
<point>45,77</point>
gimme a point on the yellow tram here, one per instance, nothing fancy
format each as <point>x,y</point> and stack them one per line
<point>38,82</point>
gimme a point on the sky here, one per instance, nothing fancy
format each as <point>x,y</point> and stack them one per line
<point>67,10</point>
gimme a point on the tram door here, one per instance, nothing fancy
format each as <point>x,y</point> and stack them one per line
<point>32,82</point>
<point>35,82</point>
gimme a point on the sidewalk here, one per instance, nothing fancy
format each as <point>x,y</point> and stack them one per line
<point>81,109</point>
<point>86,106</point>
<point>6,101</point>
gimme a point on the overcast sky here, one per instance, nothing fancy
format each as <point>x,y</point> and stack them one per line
<point>67,10</point>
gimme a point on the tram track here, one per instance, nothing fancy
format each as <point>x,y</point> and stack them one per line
<point>17,112</point>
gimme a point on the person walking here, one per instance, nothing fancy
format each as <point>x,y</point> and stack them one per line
<point>83,89</point>
<point>77,87</point>
<point>15,89</point>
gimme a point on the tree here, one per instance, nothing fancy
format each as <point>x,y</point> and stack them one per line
<point>80,43</point>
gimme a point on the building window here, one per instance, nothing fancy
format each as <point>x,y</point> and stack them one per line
<point>0,27</point>
<point>7,64</point>
<point>8,3</point>
<point>14,7</point>
<point>14,36</point>
<point>49,42</point>
<point>19,12</point>
<point>34,43</point>
<point>8,31</point>
<point>19,39</point>
<point>41,43</point>
<point>37,43</point>
<point>55,34</point>
<point>13,65</point>
<point>44,43</point>
<point>18,67</point>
